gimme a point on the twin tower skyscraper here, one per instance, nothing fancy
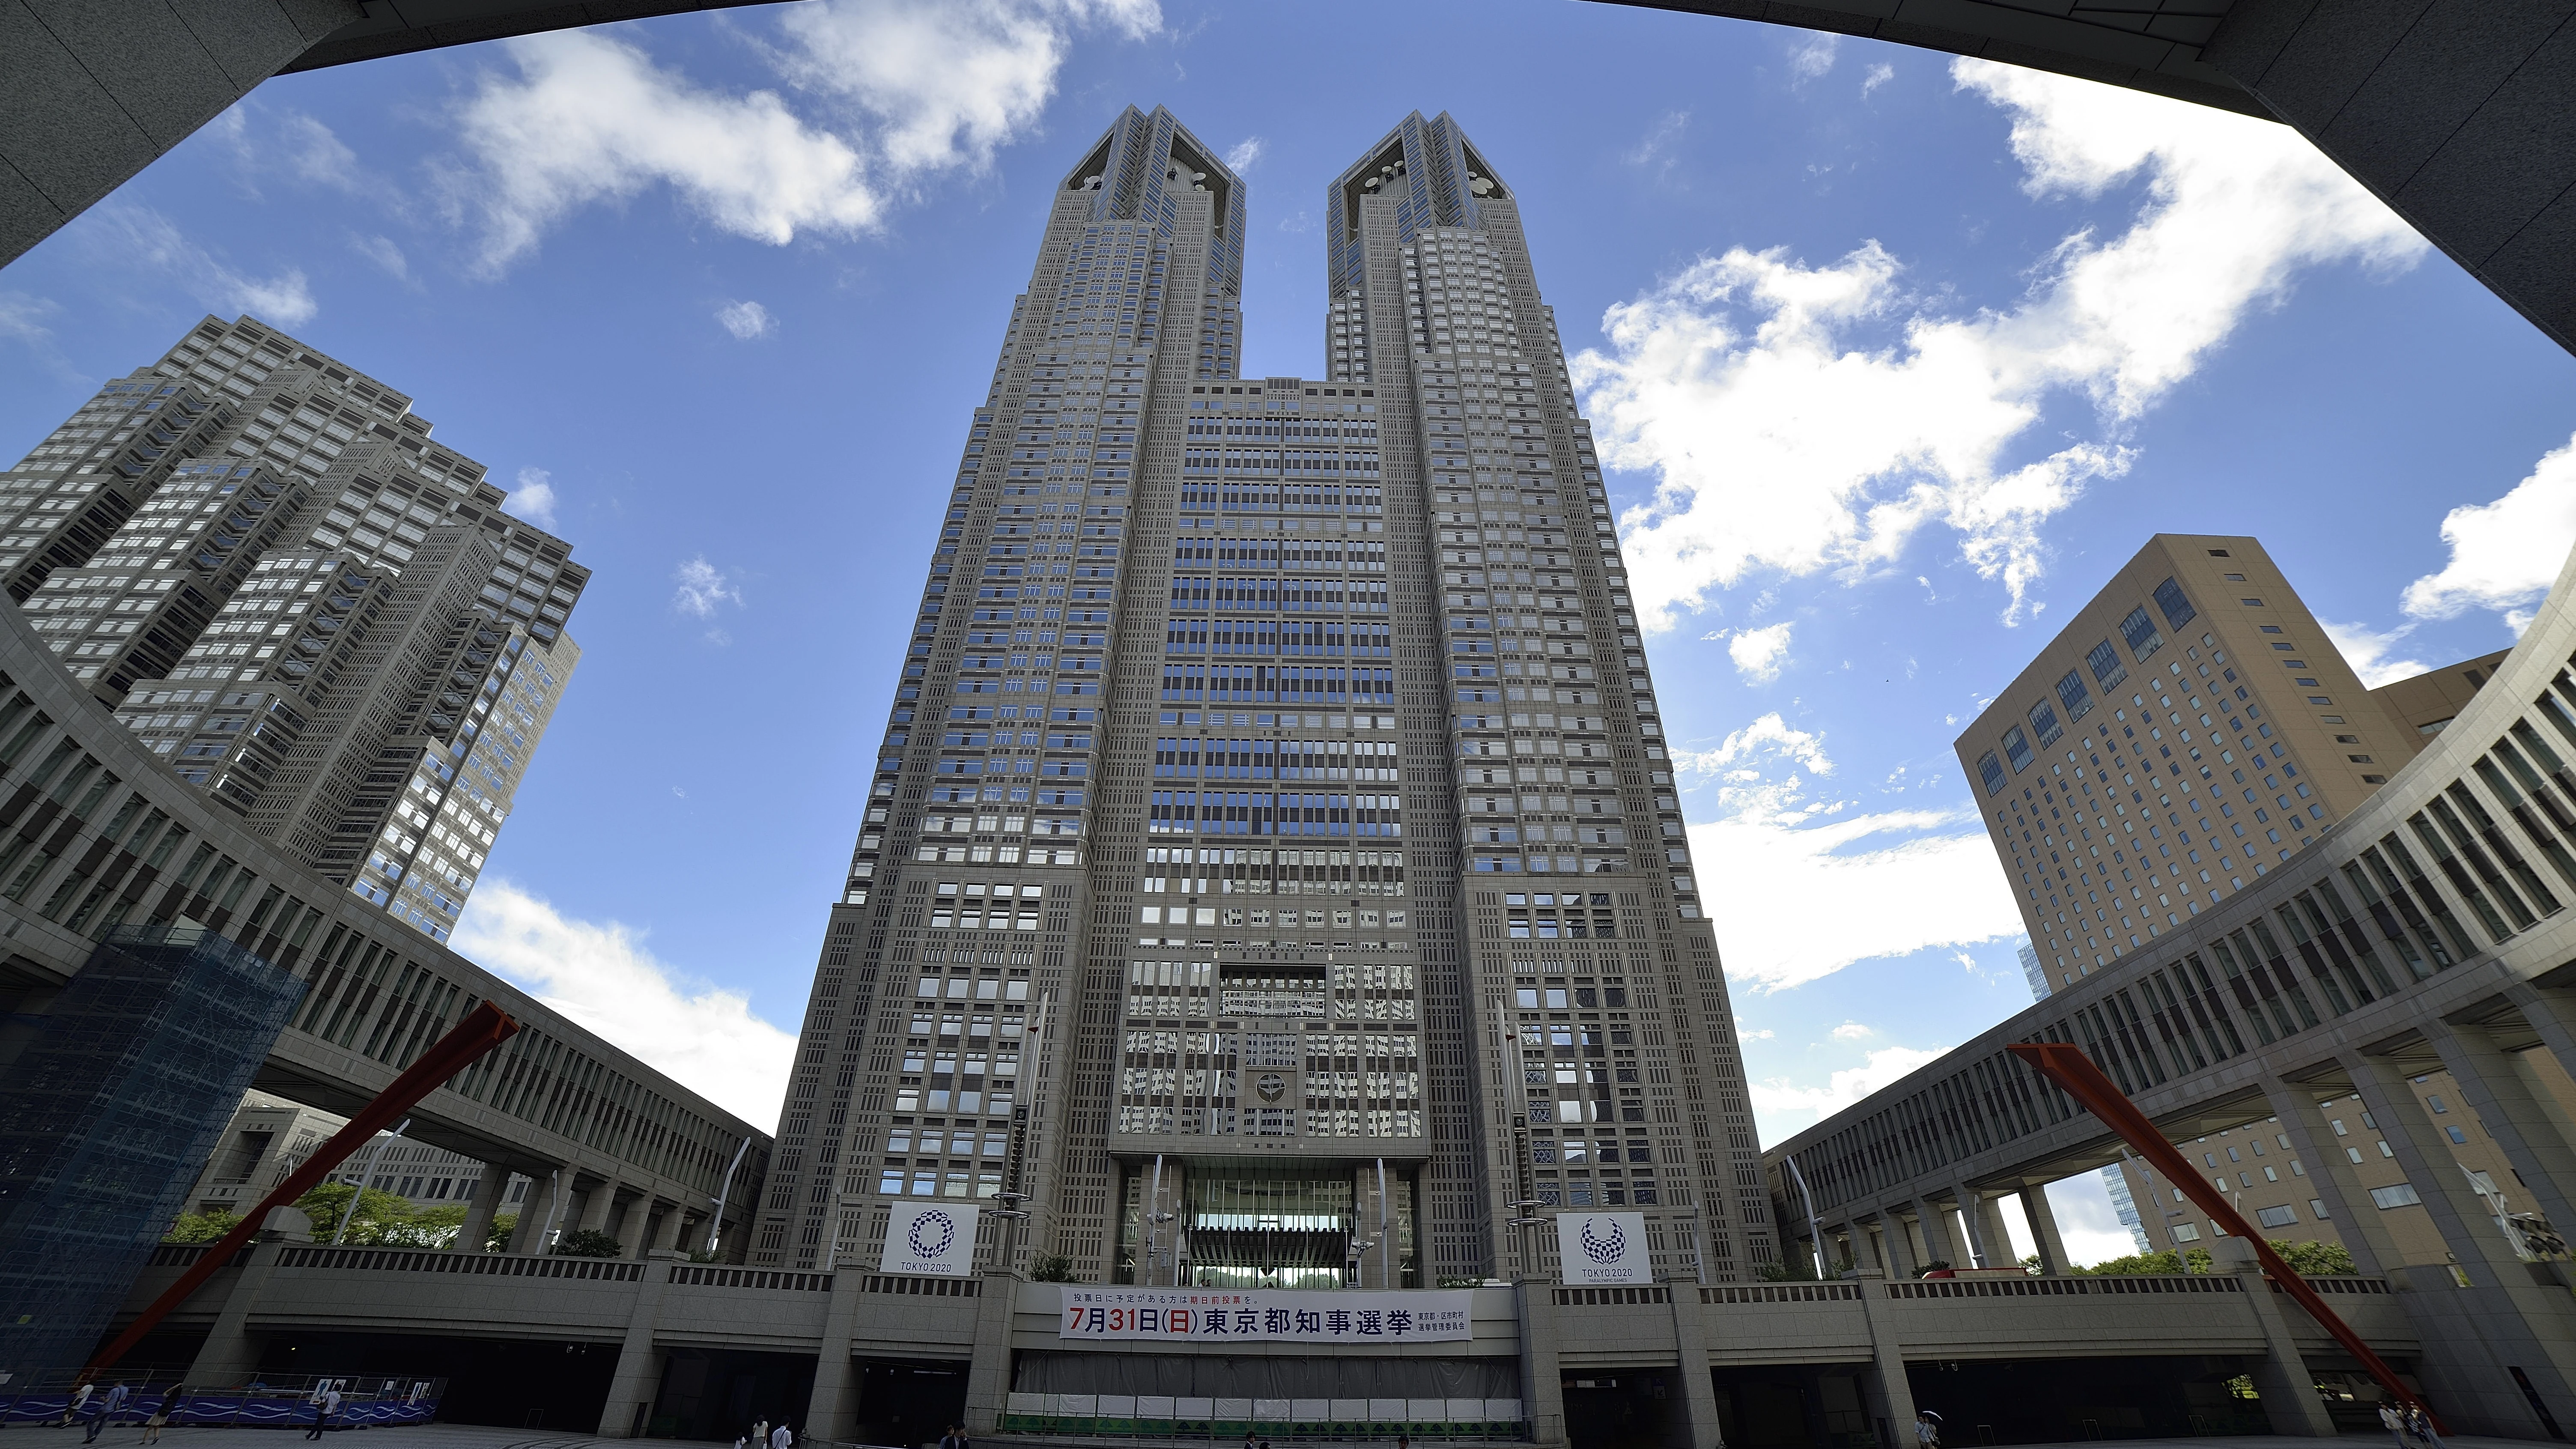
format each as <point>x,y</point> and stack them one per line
<point>1273,869</point>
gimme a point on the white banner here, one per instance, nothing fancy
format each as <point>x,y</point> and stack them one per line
<point>1602,1248</point>
<point>1266,1315</point>
<point>932,1240</point>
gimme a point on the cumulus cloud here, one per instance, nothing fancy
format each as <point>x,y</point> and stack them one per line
<point>1876,76</point>
<point>1804,418</point>
<point>2373,655</point>
<point>945,83</point>
<point>2505,554</point>
<point>534,498</point>
<point>1813,55</point>
<point>1782,864</point>
<point>1852,1031</point>
<point>1784,1106</point>
<point>1759,653</point>
<point>703,589</point>
<point>600,975</point>
<point>589,119</point>
<point>1245,152</point>
<point>148,239</point>
<point>746,320</point>
<point>902,90</point>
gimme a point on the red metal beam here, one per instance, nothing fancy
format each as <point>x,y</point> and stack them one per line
<point>483,1028</point>
<point>2068,1066</point>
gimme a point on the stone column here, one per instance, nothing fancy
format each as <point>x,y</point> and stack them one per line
<point>2044,1237</point>
<point>1971,1213</point>
<point>1892,1395</point>
<point>830,1413</point>
<point>1936,1235</point>
<point>596,1207</point>
<point>638,1376</point>
<point>988,1377</point>
<point>635,1229</point>
<point>2502,1318</point>
<point>1540,1381</point>
<point>481,1207</point>
<point>2283,1379</point>
<point>229,1355</point>
<point>2330,1176</point>
<point>1865,1251</point>
<point>666,1233</point>
<point>1898,1240</point>
<point>1700,1426</point>
<point>2522,1123</point>
<point>1990,1212</point>
<point>2552,1015</point>
<point>526,1237</point>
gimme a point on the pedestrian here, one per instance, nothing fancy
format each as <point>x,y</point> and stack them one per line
<point>2395,1419</point>
<point>954,1438</point>
<point>1248,1442</point>
<point>105,1412</point>
<point>779,1438</point>
<point>1927,1429</point>
<point>77,1405</point>
<point>737,1441</point>
<point>2419,1422</point>
<point>759,1433</point>
<point>161,1413</point>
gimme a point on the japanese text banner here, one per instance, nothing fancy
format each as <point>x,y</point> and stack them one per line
<point>1269,1315</point>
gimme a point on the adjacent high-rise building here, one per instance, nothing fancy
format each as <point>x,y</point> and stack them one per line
<point>1273,856</point>
<point>323,618</point>
<point>2190,728</point>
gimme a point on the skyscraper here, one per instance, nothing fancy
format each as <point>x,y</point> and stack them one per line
<point>1273,855</point>
<point>322,617</point>
<point>2190,728</point>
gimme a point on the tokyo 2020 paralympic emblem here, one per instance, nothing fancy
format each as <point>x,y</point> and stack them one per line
<point>1600,1244</point>
<point>931,1233</point>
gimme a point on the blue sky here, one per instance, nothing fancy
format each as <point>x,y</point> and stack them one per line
<point>1894,357</point>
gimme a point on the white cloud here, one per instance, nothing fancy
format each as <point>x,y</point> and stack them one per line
<point>589,119</point>
<point>914,88</point>
<point>1806,418</point>
<point>534,498</point>
<point>1852,1031</point>
<point>945,82</point>
<point>1763,1035</point>
<point>746,320</point>
<point>1759,653</point>
<point>23,317</point>
<point>150,239</point>
<point>382,251</point>
<point>1813,55</point>
<point>1876,76</point>
<point>1788,1108</point>
<point>1661,141</point>
<point>600,975</point>
<point>2371,653</point>
<point>703,589</point>
<point>2505,554</point>
<point>1781,869</point>
<point>2086,1221</point>
<point>1245,152</point>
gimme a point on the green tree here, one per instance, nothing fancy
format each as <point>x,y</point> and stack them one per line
<point>378,1211</point>
<point>503,1225</point>
<point>2168,1261</point>
<point>1796,1268</point>
<point>588,1243</point>
<point>1055,1268</point>
<point>2314,1259</point>
<point>434,1226</point>
<point>201,1227</point>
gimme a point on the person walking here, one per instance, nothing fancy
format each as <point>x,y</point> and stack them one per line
<point>105,1413</point>
<point>759,1434</point>
<point>780,1438</point>
<point>955,1438</point>
<point>2419,1423</point>
<point>161,1413</point>
<point>77,1405</point>
<point>2395,1419</point>
<point>1927,1429</point>
<point>326,1404</point>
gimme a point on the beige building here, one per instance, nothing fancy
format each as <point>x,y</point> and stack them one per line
<point>270,1137</point>
<point>2186,733</point>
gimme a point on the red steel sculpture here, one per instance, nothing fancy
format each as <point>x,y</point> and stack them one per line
<point>2068,1066</point>
<point>483,1028</point>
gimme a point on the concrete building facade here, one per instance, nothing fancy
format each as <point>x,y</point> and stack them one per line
<point>1274,821</point>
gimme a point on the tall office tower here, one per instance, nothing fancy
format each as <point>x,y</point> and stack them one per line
<point>85,479</point>
<point>2190,729</point>
<point>319,614</point>
<point>1274,843</point>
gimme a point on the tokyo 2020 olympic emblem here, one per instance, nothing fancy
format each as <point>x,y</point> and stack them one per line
<point>1600,1245</point>
<point>932,1232</point>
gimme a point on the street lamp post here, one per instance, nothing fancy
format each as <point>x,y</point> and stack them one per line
<point>1526,1208</point>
